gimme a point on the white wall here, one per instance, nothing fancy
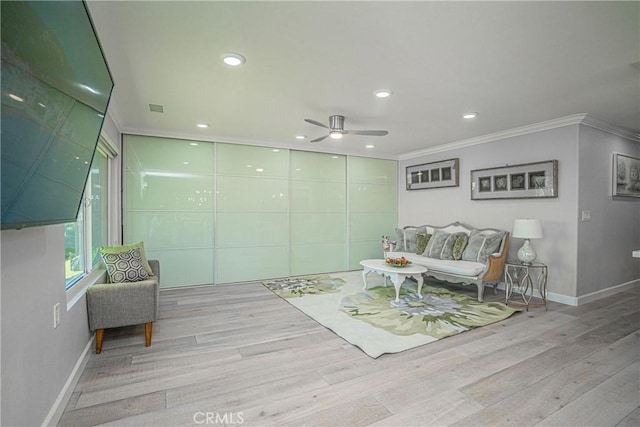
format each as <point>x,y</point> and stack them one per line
<point>558,249</point>
<point>36,358</point>
<point>606,241</point>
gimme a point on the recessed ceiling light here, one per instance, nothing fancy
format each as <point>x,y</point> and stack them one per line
<point>233,59</point>
<point>470,115</point>
<point>370,146</point>
<point>301,136</point>
<point>202,125</point>
<point>383,93</point>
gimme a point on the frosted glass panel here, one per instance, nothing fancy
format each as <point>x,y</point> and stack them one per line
<point>238,194</point>
<point>318,227</point>
<point>169,204</point>
<point>317,166</point>
<point>363,250</point>
<point>317,196</point>
<point>318,258</point>
<point>365,226</point>
<point>252,263</point>
<point>148,191</point>
<point>367,197</point>
<point>246,160</point>
<point>373,170</point>
<point>250,229</point>
<point>184,267</point>
<point>172,156</point>
<point>165,229</point>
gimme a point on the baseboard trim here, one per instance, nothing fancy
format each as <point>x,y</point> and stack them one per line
<point>584,299</point>
<point>56,411</point>
<point>593,296</point>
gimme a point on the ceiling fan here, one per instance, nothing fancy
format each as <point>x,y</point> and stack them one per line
<point>336,129</point>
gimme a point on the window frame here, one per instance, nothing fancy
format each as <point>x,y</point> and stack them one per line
<point>95,273</point>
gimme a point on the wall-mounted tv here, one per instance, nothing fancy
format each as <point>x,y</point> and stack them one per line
<point>56,87</point>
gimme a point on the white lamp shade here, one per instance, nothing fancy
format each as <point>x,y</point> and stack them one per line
<point>527,229</point>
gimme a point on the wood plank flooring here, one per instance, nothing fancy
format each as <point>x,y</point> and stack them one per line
<point>239,355</point>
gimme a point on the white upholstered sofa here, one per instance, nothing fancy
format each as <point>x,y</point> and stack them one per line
<point>455,253</point>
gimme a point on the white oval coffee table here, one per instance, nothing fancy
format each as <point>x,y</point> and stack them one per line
<point>397,274</point>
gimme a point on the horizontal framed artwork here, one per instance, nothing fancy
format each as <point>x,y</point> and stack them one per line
<point>524,181</point>
<point>445,173</point>
<point>626,175</point>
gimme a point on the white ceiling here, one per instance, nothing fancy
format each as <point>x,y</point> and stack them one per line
<point>516,63</point>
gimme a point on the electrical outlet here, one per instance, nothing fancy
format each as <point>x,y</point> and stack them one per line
<point>56,315</point>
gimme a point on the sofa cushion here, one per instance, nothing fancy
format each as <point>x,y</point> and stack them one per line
<point>482,245</point>
<point>441,245</point>
<point>406,238</point>
<point>124,248</point>
<point>460,268</point>
<point>422,239</point>
<point>125,266</point>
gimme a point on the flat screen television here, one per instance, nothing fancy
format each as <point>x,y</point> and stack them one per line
<point>56,87</point>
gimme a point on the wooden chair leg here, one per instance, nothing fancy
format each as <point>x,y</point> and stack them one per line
<point>148,330</point>
<point>99,338</point>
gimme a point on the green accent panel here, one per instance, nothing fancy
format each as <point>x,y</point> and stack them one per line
<point>172,157</point>
<point>149,191</point>
<point>164,230</point>
<point>365,197</point>
<point>184,267</point>
<point>380,171</point>
<point>364,249</point>
<point>365,226</point>
<point>315,196</point>
<point>250,229</point>
<point>247,160</point>
<point>244,194</point>
<point>317,166</point>
<point>318,258</point>
<point>318,227</point>
<point>252,263</point>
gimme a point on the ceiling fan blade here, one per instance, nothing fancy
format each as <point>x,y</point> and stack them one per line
<point>314,122</point>
<point>367,132</point>
<point>319,139</point>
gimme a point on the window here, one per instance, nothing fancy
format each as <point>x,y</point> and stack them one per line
<point>84,237</point>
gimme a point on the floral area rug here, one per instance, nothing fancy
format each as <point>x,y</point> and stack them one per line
<point>371,319</point>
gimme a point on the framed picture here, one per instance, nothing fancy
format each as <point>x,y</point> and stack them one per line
<point>528,180</point>
<point>434,175</point>
<point>626,175</point>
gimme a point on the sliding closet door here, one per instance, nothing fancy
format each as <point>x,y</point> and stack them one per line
<point>318,217</point>
<point>373,206</point>
<point>252,197</point>
<point>169,204</point>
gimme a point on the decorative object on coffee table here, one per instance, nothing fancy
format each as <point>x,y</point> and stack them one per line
<point>527,229</point>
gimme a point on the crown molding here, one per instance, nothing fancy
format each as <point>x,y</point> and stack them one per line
<point>575,119</point>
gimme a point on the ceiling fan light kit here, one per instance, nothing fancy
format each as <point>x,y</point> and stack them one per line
<point>336,129</point>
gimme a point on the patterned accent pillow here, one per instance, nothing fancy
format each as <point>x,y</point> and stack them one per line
<point>422,239</point>
<point>459,245</point>
<point>125,266</point>
<point>117,249</point>
<point>481,245</point>
<point>449,245</point>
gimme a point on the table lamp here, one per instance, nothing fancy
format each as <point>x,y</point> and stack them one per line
<point>527,229</point>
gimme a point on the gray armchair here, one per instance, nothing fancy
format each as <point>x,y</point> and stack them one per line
<point>112,305</point>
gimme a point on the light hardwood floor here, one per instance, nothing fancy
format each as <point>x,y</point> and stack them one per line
<point>239,355</point>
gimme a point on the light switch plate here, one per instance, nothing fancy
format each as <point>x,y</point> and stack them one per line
<point>586,215</point>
